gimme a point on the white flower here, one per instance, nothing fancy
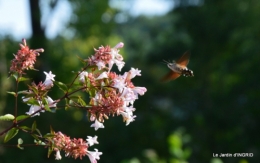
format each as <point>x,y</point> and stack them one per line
<point>129,95</point>
<point>58,156</point>
<point>139,90</point>
<point>116,55</point>
<point>82,76</point>
<point>129,109</point>
<point>49,76</point>
<point>120,64</point>
<point>97,98</point>
<point>33,109</point>
<point>97,125</point>
<point>102,75</point>
<point>135,72</point>
<point>49,79</point>
<point>92,140</point>
<point>127,117</point>
<point>25,99</point>
<point>100,65</point>
<point>94,156</point>
<point>92,117</point>
<point>119,83</point>
<point>51,103</point>
<point>117,59</point>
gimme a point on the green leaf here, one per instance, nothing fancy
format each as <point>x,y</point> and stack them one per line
<point>26,128</point>
<point>35,90</point>
<point>51,130</point>
<point>88,83</point>
<point>74,97</point>
<point>47,108</point>
<point>10,134</point>
<point>74,87</point>
<point>15,76</point>
<point>62,86</point>
<point>7,117</point>
<point>24,92</point>
<point>92,92</point>
<point>21,117</point>
<point>35,137</point>
<point>88,115</point>
<point>18,146</point>
<point>34,125</point>
<point>81,59</point>
<point>46,105</point>
<point>81,101</point>
<point>32,101</point>
<point>38,131</point>
<point>22,79</point>
<point>12,93</point>
<point>48,135</point>
<point>50,149</point>
<point>53,110</point>
<point>67,104</point>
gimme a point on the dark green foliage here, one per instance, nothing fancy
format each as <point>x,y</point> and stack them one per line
<point>218,107</point>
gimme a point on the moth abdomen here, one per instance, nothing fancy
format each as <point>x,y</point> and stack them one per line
<point>187,72</point>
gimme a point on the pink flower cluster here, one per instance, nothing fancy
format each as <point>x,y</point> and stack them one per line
<point>115,94</point>
<point>107,56</point>
<point>75,148</point>
<point>24,59</point>
<point>110,94</point>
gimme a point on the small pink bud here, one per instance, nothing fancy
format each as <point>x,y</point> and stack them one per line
<point>24,42</point>
<point>40,50</point>
<point>119,45</point>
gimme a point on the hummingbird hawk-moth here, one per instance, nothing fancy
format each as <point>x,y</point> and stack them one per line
<point>178,68</point>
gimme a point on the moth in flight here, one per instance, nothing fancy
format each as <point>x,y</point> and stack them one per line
<point>178,68</point>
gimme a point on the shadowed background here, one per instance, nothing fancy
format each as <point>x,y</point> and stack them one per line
<point>189,119</point>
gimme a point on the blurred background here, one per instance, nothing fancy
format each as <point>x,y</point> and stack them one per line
<point>186,120</point>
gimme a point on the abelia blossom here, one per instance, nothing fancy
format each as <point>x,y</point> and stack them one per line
<point>57,155</point>
<point>102,75</point>
<point>94,156</point>
<point>51,103</point>
<point>92,140</point>
<point>35,108</point>
<point>97,125</point>
<point>127,117</point>
<point>105,57</point>
<point>117,93</point>
<point>49,80</point>
<point>117,99</point>
<point>75,148</point>
<point>82,76</point>
<point>25,58</point>
<point>117,59</point>
<point>134,72</point>
<point>110,94</point>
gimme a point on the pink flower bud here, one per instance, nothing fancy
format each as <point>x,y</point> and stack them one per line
<point>119,45</point>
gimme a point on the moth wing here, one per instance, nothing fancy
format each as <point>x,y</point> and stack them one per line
<point>184,60</point>
<point>170,76</point>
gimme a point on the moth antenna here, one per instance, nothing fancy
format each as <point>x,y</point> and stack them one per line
<point>165,62</point>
